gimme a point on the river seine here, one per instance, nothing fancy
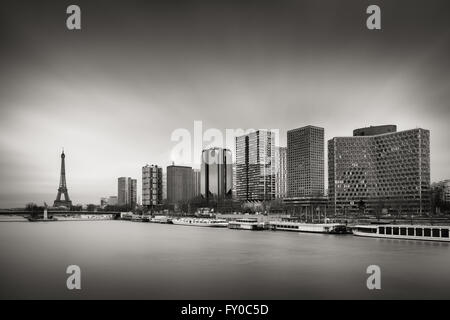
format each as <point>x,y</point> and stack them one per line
<point>130,260</point>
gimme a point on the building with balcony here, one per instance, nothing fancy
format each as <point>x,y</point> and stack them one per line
<point>152,185</point>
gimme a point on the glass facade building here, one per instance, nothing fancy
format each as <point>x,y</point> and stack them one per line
<point>216,174</point>
<point>280,172</point>
<point>380,173</point>
<point>197,182</point>
<point>126,192</point>
<point>255,166</point>
<point>305,162</point>
<point>164,185</point>
<point>180,184</point>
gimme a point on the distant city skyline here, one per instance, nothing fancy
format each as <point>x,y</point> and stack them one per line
<point>112,93</point>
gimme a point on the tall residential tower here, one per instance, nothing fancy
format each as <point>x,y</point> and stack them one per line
<point>280,172</point>
<point>180,184</point>
<point>127,192</point>
<point>305,162</point>
<point>255,167</point>
<point>152,185</point>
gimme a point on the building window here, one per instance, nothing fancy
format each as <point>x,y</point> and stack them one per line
<point>419,232</point>
<point>436,233</point>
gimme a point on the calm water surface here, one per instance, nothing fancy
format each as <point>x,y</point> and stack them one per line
<point>128,260</point>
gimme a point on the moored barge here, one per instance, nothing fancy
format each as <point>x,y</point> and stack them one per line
<point>408,232</point>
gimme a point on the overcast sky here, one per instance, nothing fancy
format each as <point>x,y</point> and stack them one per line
<point>113,93</point>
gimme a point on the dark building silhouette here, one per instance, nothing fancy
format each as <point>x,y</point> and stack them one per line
<point>216,174</point>
<point>440,197</point>
<point>180,184</point>
<point>374,130</point>
<point>196,176</point>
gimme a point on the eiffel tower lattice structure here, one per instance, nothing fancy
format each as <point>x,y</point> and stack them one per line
<point>62,190</point>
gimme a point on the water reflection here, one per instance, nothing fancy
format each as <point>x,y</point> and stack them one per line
<point>151,261</point>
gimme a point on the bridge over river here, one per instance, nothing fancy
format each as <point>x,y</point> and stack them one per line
<point>26,213</point>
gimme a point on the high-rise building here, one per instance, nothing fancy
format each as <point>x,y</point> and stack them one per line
<point>380,170</point>
<point>179,184</point>
<point>280,172</point>
<point>152,189</point>
<point>255,168</point>
<point>123,190</point>
<point>305,162</point>
<point>233,191</point>
<point>164,185</point>
<point>216,174</point>
<point>305,173</point>
<point>196,176</point>
<point>126,192</point>
<point>133,193</point>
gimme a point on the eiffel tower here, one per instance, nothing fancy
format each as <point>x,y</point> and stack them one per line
<point>62,187</point>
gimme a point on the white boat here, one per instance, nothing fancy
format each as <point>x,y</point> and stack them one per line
<point>409,232</point>
<point>160,219</point>
<point>308,227</point>
<point>246,224</point>
<point>201,222</point>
